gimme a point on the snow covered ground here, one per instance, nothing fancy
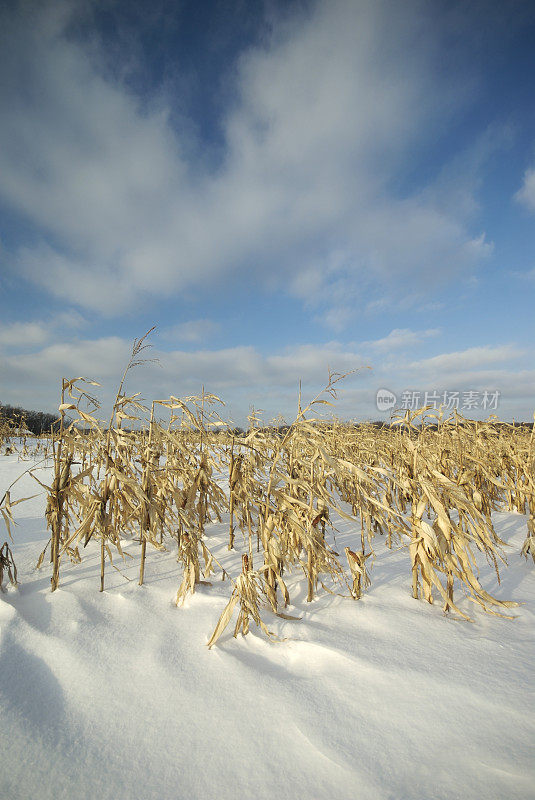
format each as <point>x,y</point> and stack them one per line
<point>116,695</point>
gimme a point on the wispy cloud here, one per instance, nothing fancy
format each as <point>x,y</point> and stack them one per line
<point>526,193</point>
<point>401,338</point>
<point>194,331</point>
<point>471,358</point>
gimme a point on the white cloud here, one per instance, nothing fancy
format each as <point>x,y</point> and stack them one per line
<point>22,334</point>
<point>310,363</point>
<point>471,358</point>
<point>17,335</point>
<point>324,113</point>
<point>104,357</point>
<point>194,330</point>
<point>401,338</point>
<point>526,193</point>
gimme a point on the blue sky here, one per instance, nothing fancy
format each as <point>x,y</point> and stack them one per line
<point>281,188</point>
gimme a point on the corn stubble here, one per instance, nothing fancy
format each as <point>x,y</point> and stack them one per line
<point>427,483</point>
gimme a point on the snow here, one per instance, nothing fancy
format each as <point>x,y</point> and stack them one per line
<point>116,695</point>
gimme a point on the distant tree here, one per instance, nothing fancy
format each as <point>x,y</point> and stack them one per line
<point>36,422</point>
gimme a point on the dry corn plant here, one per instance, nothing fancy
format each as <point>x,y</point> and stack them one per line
<point>152,508</point>
<point>443,546</point>
<point>112,504</point>
<point>359,574</point>
<point>529,545</point>
<point>294,525</point>
<point>188,554</point>
<point>63,491</point>
<point>528,548</point>
<point>311,497</point>
<point>6,510</point>
<point>6,432</point>
<point>6,506</point>
<point>273,567</point>
<point>246,471</point>
<point>7,562</point>
<point>192,462</point>
<point>7,565</point>
<point>235,489</point>
<point>300,474</point>
<point>99,513</point>
<point>248,590</point>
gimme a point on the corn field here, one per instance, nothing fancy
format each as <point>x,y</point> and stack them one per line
<point>159,474</point>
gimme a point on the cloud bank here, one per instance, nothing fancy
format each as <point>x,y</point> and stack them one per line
<point>244,377</point>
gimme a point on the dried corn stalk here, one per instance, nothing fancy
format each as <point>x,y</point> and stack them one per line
<point>7,565</point>
<point>247,592</point>
<point>357,567</point>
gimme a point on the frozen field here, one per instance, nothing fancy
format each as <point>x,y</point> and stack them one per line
<point>116,695</point>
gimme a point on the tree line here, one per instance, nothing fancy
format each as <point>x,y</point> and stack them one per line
<point>36,422</point>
